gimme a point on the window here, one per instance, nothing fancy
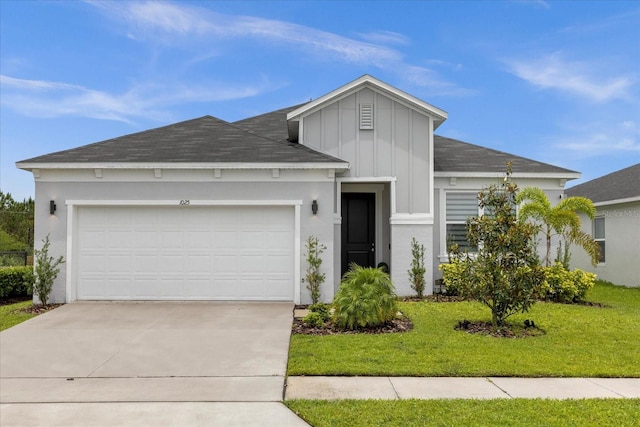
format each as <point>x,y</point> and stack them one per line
<point>598,236</point>
<point>459,207</point>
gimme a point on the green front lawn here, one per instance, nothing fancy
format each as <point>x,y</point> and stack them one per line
<point>10,316</point>
<point>579,340</point>
<point>472,413</point>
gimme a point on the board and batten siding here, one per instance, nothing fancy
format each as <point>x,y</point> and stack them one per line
<point>397,146</point>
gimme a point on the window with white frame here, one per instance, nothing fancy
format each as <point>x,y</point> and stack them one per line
<point>460,206</point>
<point>599,236</point>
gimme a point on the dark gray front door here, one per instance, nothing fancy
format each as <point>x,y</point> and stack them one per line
<point>358,230</point>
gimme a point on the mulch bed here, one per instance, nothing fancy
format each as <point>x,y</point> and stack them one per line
<point>39,309</point>
<point>402,324</point>
<point>434,298</point>
<point>509,331</point>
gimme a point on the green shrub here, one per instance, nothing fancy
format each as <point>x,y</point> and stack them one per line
<point>366,298</point>
<point>313,277</point>
<point>46,271</point>
<point>321,309</point>
<point>314,319</point>
<point>417,270</point>
<point>562,285</point>
<point>16,282</point>
<point>504,274</point>
<point>452,275</point>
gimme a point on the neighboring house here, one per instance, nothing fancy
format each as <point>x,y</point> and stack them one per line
<point>207,209</point>
<point>616,227</point>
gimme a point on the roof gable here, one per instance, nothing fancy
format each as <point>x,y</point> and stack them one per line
<point>439,116</point>
<point>619,185</point>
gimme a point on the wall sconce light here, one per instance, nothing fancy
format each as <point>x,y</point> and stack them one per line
<point>314,207</point>
<point>52,207</point>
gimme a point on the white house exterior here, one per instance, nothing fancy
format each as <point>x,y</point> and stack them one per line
<point>211,210</point>
<point>616,227</point>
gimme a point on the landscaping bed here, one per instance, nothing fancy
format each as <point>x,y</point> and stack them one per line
<point>576,340</point>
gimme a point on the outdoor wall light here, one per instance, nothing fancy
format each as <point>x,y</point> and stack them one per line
<point>314,207</point>
<point>52,207</point>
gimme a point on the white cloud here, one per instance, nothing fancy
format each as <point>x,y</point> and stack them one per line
<point>539,3</point>
<point>167,22</point>
<point>386,37</point>
<point>40,98</point>
<point>600,139</point>
<point>575,77</point>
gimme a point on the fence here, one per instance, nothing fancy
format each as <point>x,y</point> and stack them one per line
<point>13,258</point>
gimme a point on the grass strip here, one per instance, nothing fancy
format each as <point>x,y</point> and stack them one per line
<point>472,413</point>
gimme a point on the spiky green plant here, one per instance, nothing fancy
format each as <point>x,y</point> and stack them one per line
<point>561,219</point>
<point>366,298</point>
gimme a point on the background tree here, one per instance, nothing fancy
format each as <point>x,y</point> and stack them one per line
<point>560,220</point>
<point>16,219</point>
<point>504,274</point>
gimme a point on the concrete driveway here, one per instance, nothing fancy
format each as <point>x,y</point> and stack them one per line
<point>149,363</point>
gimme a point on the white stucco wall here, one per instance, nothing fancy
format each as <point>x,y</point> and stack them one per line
<point>401,236</point>
<point>622,245</point>
<point>305,185</point>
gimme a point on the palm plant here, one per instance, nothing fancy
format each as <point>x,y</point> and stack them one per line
<point>559,220</point>
<point>366,298</point>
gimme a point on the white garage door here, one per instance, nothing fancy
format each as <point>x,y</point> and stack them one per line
<point>190,253</point>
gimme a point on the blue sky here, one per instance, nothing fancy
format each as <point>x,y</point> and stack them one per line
<point>554,81</point>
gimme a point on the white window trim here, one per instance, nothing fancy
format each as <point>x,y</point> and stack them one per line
<point>600,239</point>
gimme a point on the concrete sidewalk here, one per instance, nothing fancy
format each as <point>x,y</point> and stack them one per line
<point>331,388</point>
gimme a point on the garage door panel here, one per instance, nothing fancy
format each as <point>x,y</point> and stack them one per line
<point>185,253</point>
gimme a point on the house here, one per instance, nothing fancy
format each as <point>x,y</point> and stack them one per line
<point>616,226</point>
<point>207,209</point>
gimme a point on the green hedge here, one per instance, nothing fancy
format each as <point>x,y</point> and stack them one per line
<point>16,282</point>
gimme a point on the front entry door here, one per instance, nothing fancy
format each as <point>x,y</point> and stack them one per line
<point>358,230</point>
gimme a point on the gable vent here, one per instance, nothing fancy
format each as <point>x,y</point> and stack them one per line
<point>366,116</point>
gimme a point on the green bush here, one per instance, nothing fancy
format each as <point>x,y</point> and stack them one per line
<point>366,298</point>
<point>321,309</point>
<point>16,281</point>
<point>562,285</point>
<point>46,271</point>
<point>417,270</point>
<point>452,275</point>
<point>314,319</point>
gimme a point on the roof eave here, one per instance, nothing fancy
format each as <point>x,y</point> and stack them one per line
<point>30,166</point>
<point>549,175</point>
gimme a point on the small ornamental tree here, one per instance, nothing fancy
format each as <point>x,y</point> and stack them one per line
<point>46,271</point>
<point>417,270</point>
<point>561,220</point>
<point>505,273</point>
<point>313,277</point>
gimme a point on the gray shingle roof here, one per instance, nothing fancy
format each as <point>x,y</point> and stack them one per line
<point>272,125</point>
<point>622,184</point>
<point>263,139</point>
<point>203,140</point>
<point>451,155</point>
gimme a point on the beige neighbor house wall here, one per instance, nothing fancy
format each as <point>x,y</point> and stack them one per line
<point>622,244</point>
